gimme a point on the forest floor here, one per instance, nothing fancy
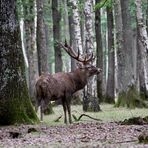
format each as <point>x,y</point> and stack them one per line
<point>83,134</point>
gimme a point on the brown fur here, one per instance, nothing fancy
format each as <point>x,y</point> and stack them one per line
<point>62,86</point>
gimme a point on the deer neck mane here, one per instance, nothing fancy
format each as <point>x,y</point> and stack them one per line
<point>79,79</point>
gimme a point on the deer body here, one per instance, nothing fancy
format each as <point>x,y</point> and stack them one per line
<point>62,86</point>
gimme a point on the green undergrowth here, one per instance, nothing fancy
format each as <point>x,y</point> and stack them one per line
<point>109,113</point>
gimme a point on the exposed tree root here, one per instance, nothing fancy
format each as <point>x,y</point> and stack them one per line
<point>143,138</point>
<point>135,121</point>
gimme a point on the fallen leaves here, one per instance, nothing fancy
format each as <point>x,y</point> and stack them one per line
<point>90,134</point>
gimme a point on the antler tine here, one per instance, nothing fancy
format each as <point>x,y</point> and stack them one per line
<point>73,54</point>
<point>70,51</point>
<point>90,58</point>
<point>66,48</point>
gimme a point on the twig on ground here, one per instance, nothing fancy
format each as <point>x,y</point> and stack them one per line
<point>78,119</point>
<point>57,120</point>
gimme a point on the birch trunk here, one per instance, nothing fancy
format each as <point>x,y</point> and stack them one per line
<point>89,48</point>
<point>76,40</point>
<point>143,50</point>
<point>89,39</point>
<point>75,36</point>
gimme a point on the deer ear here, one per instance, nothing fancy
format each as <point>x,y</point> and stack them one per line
<point>80,65</point>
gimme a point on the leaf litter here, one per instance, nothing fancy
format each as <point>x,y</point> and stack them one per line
<point>83,135</point>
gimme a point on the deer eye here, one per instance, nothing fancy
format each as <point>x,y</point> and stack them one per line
<point>89,68</point>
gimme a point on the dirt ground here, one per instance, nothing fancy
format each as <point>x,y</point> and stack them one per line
<point>84,135</point>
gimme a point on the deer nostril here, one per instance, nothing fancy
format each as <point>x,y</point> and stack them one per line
<point>99,70</point>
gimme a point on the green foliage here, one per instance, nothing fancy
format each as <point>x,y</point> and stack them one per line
<point>24,9</point>
<point>103,3</point>
<point>47,13</point>
<point>81,5</point>
<point>132,9</point>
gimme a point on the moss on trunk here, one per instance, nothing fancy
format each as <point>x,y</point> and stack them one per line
<point>110,100</point>
<point>15,105</point>
<point>130,99</point>
<point>17,108</point>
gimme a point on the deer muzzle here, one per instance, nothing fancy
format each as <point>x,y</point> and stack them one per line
<point>99,70</point>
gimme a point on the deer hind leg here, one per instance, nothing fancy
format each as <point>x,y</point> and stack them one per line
<point>68,104</point>
<point>44,105</point>
<point>42,110</point>
<point>64,108</point>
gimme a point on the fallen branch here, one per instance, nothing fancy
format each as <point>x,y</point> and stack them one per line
<point>127,141</point>
<point>78,119</point>
<point>57,120</point>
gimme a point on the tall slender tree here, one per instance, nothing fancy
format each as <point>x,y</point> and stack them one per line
<point>30,44</point>
<point>41,39</point>
<point>91,102</point>
<point>15,105</point>
<point>89,40</point>
<point>99,51</point>
<point>119,43</point>
<point>110,93</point>
<point>143,50</point>
<point>75,36</point>
<point>75,30</point>
<point>147,16</point>
<point>127,88</point>
<point>56,16</point>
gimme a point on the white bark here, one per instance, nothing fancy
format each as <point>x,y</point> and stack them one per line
<point>89,37</point>
<point>143,32</point>
<point>22,41</point>
<point>88,11</point>
<point>76,25</point>
<point>143,39</point>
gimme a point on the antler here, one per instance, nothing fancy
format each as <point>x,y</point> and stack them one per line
<point>75,55</point>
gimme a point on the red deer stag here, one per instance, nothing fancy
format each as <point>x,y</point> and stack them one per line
<point>63,85</point>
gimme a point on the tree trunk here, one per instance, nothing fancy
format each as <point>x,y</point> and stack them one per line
<point>15,105</point>
<point>143,51</point>
<point>90,90</point>
<point>75,37</point>
<point>111,58</point>
<point>104,36</point>
<point>89,47</point>
<point>99,52</point>
<point>56,16</point>
<point>71,30</point>
<point>41,39</point>
<point>29,23</point>
<point>76,41</point>
<point>119,42</point>
<point>127,88</point>
<point>147,17</point>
